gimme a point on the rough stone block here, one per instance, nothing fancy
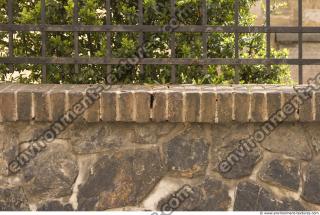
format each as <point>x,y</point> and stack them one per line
<point>311,185</point>
<point>282,172</point>
<point>186,156</point>
<point>121,179</point>
<point>251,196</point>
<point>13,199</point>
<point>317,106</point>
<point>210,195</point>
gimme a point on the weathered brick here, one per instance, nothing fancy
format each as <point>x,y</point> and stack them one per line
<point>288,97</point>
<point>224,106</point>
<point>241,106</point>
<point>273,102</point>
<point>192,113</point>
<point>57,104</point>
<point>208,107</point>
<point>258,107</point>
<point>126,107</point>
<point>92,114</point>
<point>306,109</point>
<point>143,101</point>
<point>159,109</point>
<point>41,108</point>
<point>9,103</point>
<point>108,106</point>
<point>41,102</point>
<point>24,106</point>
<point>175,107</point>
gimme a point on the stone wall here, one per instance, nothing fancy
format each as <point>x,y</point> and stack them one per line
<point>157,148</point>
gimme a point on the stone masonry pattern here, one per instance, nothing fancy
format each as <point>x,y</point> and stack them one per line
<point>137,146</point>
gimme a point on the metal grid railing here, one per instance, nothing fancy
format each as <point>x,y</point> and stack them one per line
<point>204,28</point>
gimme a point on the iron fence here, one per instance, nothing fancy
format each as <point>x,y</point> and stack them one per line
<point>204,29</point>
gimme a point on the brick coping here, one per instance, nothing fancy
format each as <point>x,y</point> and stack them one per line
<point>156,103</point>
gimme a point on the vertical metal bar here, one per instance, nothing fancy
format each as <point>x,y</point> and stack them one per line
<point>268,38</point>
<point>76,33</point>
<point>173,40</point>
<point>43,41</point>
<point>10,16</point>
<point>108,34</point>
<point>236,42</point>
<point>141,36</point>
<point>204,14</point>
<point>300,43</point>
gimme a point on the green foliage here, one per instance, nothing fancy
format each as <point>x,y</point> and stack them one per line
<point>156,12</point>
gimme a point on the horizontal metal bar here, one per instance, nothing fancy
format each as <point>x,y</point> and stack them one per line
<point>155,61</point>
<point>153,28</point>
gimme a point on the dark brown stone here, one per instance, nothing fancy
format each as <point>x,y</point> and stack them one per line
<point>251,196</point>
<point>52,172</point>
<point>211,195</point>
<point>55,206</point>
<point>122,179</point>
<point>13,199</point>
<point>285,173</point>
<point>240,161</point>
<point>311,186</point>
<point>187,156</point>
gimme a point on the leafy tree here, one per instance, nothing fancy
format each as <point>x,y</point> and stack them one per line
<point>156,12</point>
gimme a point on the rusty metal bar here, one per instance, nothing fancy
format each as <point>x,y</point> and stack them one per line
<point>10,16</point>
<point>43,41</point>
<point>157,29</point>
<point>76,33</point>
<point>155,61</point>
<point>300,42</point>
<point>173,40</point>
<point>268,37</point>
<point>141,34</point>
<point>109,42</point>
<point>236,41</point>
<point>204,14</point>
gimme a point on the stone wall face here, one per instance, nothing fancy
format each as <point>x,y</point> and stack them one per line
<point>165,160</point>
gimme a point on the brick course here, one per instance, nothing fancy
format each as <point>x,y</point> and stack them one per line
<point>45,103</point>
